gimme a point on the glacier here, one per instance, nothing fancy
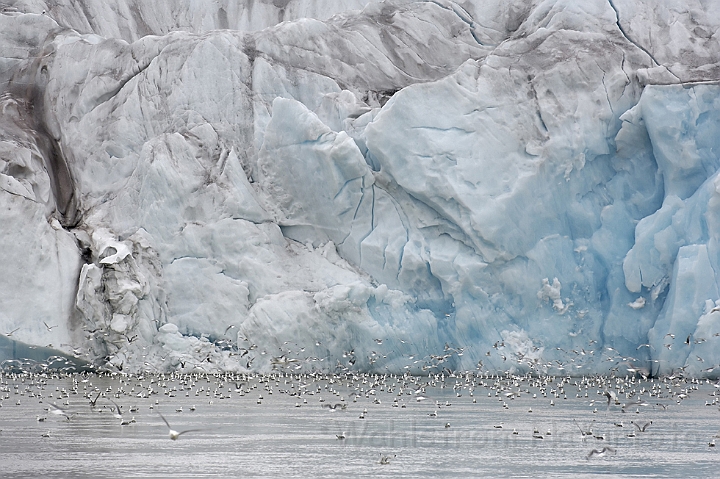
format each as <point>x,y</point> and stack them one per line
<point>395,186</point>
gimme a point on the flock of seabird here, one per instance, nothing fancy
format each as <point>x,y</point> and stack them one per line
<point>614,396</point>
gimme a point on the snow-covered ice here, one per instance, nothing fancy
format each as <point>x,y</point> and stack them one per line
<point>393,186</point>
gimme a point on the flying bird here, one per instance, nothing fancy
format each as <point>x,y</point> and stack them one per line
<point>94,401</point>
<point>611,396</point>
<point>49,328</point>
<point>116,412</point>
<point>600,452</point>
<point>643,427</point>
<point>172,433</point>
<point>61,412</point>
<point>334,407</point>
<point>11,332</point>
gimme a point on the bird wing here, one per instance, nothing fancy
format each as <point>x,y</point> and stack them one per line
<point>578,426</point>
<point>188,430</point>
<point>62,411</point>
<point>165,420</point>
<point>117,408</point>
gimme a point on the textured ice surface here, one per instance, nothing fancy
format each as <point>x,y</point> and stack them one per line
<point>406,185</point>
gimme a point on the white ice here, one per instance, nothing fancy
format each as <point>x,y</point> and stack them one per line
<point>393,186</point>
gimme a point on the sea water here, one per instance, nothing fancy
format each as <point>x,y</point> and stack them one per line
<point>283,426</point>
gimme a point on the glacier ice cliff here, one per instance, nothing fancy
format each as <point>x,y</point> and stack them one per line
<point>396,186</point>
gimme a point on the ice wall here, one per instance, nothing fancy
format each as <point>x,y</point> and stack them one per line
<point>405,186</point>
<point>133,19</point>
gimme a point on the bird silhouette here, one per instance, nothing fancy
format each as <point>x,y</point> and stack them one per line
<point>600,452</point>
<point>643,427</point>
<point>172,433</point>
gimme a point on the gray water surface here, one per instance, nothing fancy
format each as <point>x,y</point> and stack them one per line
<point>292,432</point>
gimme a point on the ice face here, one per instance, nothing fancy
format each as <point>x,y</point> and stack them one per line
<point>405,186</point>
